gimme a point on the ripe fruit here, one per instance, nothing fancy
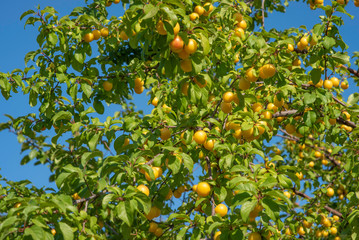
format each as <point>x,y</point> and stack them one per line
<point>217,235</point>
<point>333,230</point>
<point>138,82</point>
<point>191,47</point>
<point>332,121</point>
<point>208,6</point>
<point>160,28</point>
<point>296,63</point>
<point>162,31</point>
<point>336,218</point>
<point>299,175</point>
<point>200,137</point>
<point>256,107</point>
<point>250,75</point>
<point>142,188</point>
<point>199,10</point>
<point>326,222</point>
<point>96,34</point>
<point>304,41</point>
<point>272,107</point>
<point>209,145</point>
<point>176,29</point>
<point>184,88</point>
<point>89,37</point>
<point>169,195</point>
<point>201,85</point>
<point>344,85</point>
<point>290,128</point>
<point>301,231</point>
<point>165,134</point>
<point>254,236</point>
<point>186,65</point>
<point>335,81</point>
<point>278,103</point>
<point>243,84</point>
<point>239,32</point>
<point>242,24</point>
<point>238,17</point>
<point>311,164</point>
<point>158,232</point>
<point>330,192</point>
<point>328,84</point>
<point>221,209</point>
<point>287,194</point>
<point>107,86</point>
<point>183,54</point>
<point>153,227</point>
<point>226,107</point>
<point>267,71</point>
<point>317,154</point>
<point>177,44</point>
<point>104,32</point>
<point>154,101</point>
<point>177,193</point>
<point>228,97</point>
<point>74,196</point>
<point>203,189</point>
<point>153,213</point>
<point>193,16</point>
<point>267,115</point>
<point>307,224</point>
<point>139,89</point>
<point>290,47</point>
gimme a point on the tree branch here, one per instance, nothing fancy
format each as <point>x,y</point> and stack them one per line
<point>332,210</point>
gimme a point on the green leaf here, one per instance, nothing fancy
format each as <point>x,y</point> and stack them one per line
<point>284,181</point>
<point>35,232</point>
<point>125,212</point>
<point>309,118</point>
<point>267,182</point>
<point>341,58</point>
<point>98,106</point>
<point>279,194</point>
<point>271,208</point>
<point>66,231</point>
<point>62,115</point>
<point>353,99</point>
<point>309,98</point>
<point>315,75</point>
<point>53,38</point>
<point>187,161</point>
<point>89,155</point>
<point>246,209</point>
<point>328,42</point>
<point>150,11</point>
<point>87,89</point>
<point>94,141</point>
<point>26,13</point>
<point>181,233</point>
<point>8,222</point>
<point>205,44</point>
<point>80,57</point>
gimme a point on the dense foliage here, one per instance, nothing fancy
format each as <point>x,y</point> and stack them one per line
<point>222,86</point>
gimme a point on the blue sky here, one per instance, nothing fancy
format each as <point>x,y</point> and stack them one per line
<point>16,42</point>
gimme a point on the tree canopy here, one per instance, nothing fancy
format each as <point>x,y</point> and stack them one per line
<point>249,130</point>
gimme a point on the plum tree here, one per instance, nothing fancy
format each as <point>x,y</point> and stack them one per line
<point>248,131</point>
